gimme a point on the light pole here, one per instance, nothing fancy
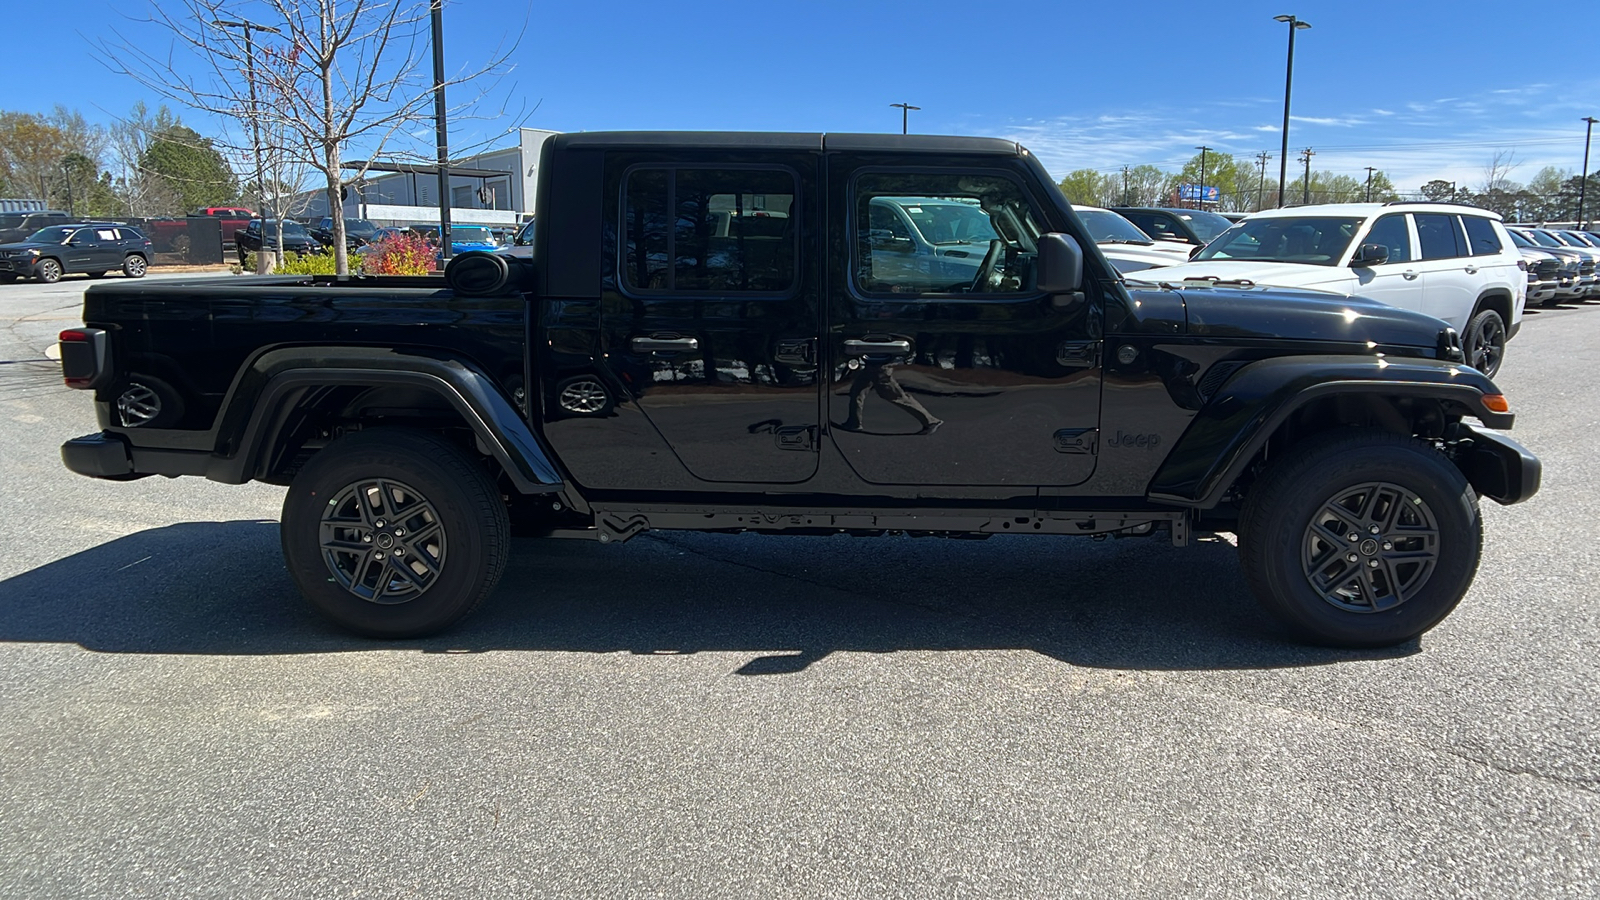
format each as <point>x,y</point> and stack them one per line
<point>255,127</point>
<point>1202,150</point>
<point>1288,82</point>
<point>440,126</point>
<point>905,110</point>
<point>1583,175</point>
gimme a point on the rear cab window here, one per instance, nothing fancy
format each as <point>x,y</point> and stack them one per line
<point>709,230</point>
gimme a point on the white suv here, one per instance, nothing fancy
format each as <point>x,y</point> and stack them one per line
<point>1456,263</point>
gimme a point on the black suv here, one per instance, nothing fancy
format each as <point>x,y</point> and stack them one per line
<point>356,232</point>
<point>1187,226</point>
<point>90,248</point>
<point>17,226</point>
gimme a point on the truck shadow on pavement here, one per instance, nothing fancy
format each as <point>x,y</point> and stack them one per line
<point>221,588</point>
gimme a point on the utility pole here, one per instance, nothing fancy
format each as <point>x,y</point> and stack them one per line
<point>255,130</point>
<point>1370,170</point>
<point>1306,158</point>
<point>1202,197</point>
<point>441,129</point>
<point>1125,200</point>
<point>1261,189</point>
<point>905,110</point>
<point>1583,174</point>
<point>66,178</point>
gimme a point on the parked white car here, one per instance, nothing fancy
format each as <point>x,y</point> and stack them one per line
<point>1125,246</point>
<point>1456,263</point>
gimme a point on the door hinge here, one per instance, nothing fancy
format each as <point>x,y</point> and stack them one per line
<point>795,351</point>
<point>796,437</point>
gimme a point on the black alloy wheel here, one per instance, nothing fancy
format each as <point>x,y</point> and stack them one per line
<point>394,533</point>
<point>1370,548</point>
<point>1357,537</point>
<point>1486,342</point>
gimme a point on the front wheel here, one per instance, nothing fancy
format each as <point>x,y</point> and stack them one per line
<point>48,271</point>
<point>394,533</point>
<point>1361,538</point>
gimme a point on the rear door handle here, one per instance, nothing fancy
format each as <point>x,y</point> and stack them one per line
<point>1472,270</point>
<point>664,343</point>
<point>855,347</point>
<point>1409,274</point>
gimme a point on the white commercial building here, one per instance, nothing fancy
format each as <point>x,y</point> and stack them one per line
<point>493,188</point>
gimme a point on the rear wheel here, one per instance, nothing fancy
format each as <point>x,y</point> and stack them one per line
<point>1361,538</point>
<point>394,533</point>
<point>1486,342</point>
<point>134,266</point>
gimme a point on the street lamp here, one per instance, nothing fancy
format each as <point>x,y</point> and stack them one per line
<point>905,110</point>
<point>1583,176</point>
<point>440,127</point>
<point>255,125</point>
<point>1288,82</point>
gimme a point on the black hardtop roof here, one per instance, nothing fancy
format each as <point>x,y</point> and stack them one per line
<point>780,140</point>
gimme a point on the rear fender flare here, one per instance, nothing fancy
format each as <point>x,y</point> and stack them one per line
<point>261,398</point>
<point>1245,412</point>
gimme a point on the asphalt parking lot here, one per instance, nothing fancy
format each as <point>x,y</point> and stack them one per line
<point>732,716</point>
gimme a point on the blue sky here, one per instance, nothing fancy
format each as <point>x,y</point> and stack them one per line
<point>1419,88</point>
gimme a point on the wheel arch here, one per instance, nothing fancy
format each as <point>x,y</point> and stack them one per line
<point>287,395</point>
<point>1499,300</point>
<point>1273,403</point>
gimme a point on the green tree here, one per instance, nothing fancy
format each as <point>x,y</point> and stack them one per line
<point>191,168</point>
<point>31,151</point>
<point>1438,190</point>
<point>1087,187</point>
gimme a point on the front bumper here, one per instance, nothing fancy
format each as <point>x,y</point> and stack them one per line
<point>1497,466</point>
<point>21,266</point>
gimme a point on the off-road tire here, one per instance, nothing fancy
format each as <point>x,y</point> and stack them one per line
<point>1279,539</point>
<point>406,471</point>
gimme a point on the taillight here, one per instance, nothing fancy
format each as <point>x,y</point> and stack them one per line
<point>83,358</point>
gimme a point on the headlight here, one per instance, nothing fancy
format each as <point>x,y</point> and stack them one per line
<point>30,252</point>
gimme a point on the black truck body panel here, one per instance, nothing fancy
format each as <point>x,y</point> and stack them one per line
<point>817,390</point>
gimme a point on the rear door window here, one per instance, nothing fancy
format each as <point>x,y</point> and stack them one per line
<point>709,230</point>
<point>1440,235</point>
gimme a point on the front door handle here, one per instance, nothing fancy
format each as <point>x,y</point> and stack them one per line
<point>1409,274</point>
<point>1472,270</point>
<point>855,347</point>
<point>664,343</point>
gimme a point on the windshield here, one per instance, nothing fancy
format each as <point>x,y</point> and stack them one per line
<point>1106,227</point>
<point>1311,240</point>
<point>525,234</point>
<point>1579,239</point>
<point>470,235</point>
<point>1542,239</point>
<point>52,235</point>
<point>947,221</point>
<point>289,227</point>
<point>359,226</point>
<point>1205,224</point>
<point>1519,240</point>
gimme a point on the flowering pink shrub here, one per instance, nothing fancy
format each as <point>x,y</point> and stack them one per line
<point>401,254</point>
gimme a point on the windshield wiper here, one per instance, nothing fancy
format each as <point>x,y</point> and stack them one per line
<point>1125,241</point>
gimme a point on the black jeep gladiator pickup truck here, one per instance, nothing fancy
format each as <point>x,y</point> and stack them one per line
<point>730,332</point>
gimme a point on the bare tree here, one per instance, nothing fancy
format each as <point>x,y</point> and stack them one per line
<point>342,72</point>
<point>1497,174</point>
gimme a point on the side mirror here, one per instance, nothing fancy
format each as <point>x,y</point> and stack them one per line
<point>1369,255</point>
<point>1196,251</point>
<point>1060,264</point>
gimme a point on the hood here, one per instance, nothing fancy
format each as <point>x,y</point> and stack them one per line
<point>25,245</point>
<point>1275,273</point>
<point>1135,258</point>
<point>1305,315</point>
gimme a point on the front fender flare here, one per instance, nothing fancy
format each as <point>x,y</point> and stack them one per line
<point>1229,430</point>
<point>257,401</point>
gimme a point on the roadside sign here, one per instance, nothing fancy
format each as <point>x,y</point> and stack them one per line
<point>1209,194</point>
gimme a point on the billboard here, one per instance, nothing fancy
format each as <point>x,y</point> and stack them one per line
<point>1209,194</point>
